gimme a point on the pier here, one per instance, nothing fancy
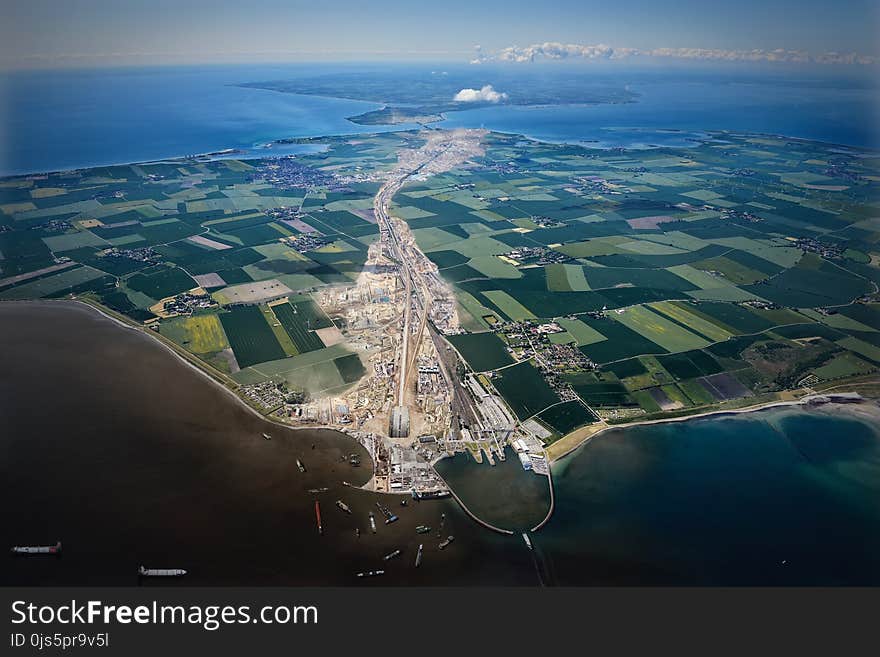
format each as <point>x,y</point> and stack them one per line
<point>552,500</point>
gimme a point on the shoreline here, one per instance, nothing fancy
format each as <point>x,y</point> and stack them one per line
<point>851,407</point>
<point>224,152</point>
<point>866,409</point>
<point>100,310</point>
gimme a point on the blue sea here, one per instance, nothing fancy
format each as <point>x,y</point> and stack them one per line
<point>780,497</point>
<point>51,120</point>
<point>674,112</point>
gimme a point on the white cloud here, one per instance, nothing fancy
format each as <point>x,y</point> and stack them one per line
<point>557,51</point>
<point>485,95</point>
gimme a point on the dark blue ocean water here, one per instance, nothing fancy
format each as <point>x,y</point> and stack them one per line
<point>778,497</point>
<point>52,120</point>
<point>775,498</point>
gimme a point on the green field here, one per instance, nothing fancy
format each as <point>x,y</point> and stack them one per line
<point>350,367</point>
<point>748,259</point>
<point>566,417</point>
<point>524,389</point>
<point>658,329</point>
<point>599,390</point>
<point>482,351</point>
<point>68,280</point>
<point>201,334</point>
<point>162,282</point>
<point>297,325</point>
<point>250,336</point>
<point>681,314</point>
<point>582,333</point>
<point>508,305</point>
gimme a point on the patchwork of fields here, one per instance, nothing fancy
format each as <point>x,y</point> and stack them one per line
<point>670,279</point>
<point>679,273</point>
<point>130,237</point>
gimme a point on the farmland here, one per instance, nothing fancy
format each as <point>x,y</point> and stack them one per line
<point>251,336</point>
<point>566,417</point>
<point>483,351</point>
<point>297,327</point>
<point>636,282</point>
<point>201,334</point>
<point>691,277</point>
<point>524,390</point>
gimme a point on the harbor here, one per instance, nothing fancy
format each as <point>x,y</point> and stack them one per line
<point>243,513</point>
<point>177,454</point>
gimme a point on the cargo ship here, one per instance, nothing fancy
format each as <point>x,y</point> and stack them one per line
<point>445,544</point>
<point>161,572</point>
<point>300,465</point>
<point>37,549</point>
<point>419,556</point>
<point>372,522</point>
<point>318,517</point>
<point>422,529</point>
<point>527,540</point>
<point>389,557</point>
<point>342,505</point>
<point>429,494</point>
<point>389,517</point>
<point>318,490</point>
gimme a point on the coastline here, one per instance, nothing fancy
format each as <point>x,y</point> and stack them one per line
<point>866,410</point>
<point>578,437</point>
<point>207,375</point>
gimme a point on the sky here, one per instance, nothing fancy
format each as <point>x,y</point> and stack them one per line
<point>48,33</point>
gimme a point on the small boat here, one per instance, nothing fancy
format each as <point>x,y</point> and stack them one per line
<point>527,540</point>
<point>445,544</point>
<point>266,436</point>
<point>342,505</point>
<point>37,549</point>
<point>419,556</point>
<point>389,557</point>
<point>422,529</point>
<point>161,572</point>
<point>371,573</point>
<point>402,502</point>
<point>354,460</point>
<point>390,519</point>
<point>300,465</point>
<point>357,532</point>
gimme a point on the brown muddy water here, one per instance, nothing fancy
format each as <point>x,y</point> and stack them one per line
<point>113,445</point>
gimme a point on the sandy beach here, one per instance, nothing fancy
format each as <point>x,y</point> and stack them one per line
<point>866,410</point>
